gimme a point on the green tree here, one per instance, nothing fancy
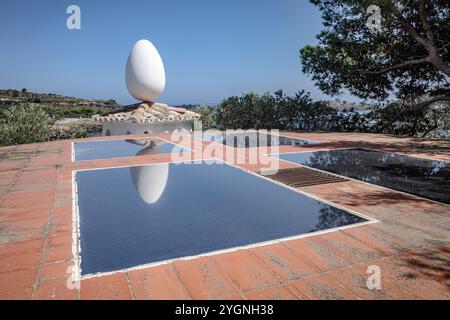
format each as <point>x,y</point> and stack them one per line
<point>110,102</point>
<point>275,111</point>
<point>208,116</point>
<point>408,56</point>
<point>24,123</point>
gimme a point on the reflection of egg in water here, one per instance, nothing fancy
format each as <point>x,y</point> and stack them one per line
<point>150,181</point>
<point>145,76</point>
<point>151,149</point>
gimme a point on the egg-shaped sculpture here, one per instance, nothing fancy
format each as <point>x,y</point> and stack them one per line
<point>150,180</point>
<point>144,75</point>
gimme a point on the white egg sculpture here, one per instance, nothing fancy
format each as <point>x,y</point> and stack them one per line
<point>144,75</point>
<point>150,180</point>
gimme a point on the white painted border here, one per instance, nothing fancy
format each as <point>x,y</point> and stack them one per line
<point>233,249</point>
<point>101,140</point>
<point>363,148</point>
<point>353,179</point>
<point>72,151</point>
<point>370,220</point>
<point>76,249</point>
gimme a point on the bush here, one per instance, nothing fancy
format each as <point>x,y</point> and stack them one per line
<point>272,111</point>
<point>299,112</point>
<point>84,112</point>
<point>208,115</point>
<point>24,123</point>
<point>110,102</point>
<point>73,131</point>
<point>412,120</point>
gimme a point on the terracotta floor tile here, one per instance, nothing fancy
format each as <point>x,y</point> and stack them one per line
<point>28,224</point>
<point>63,220</point>
<point>431,262</point>
<point>317,254</point>
<point>283,262</point>
<point>353,250</point>
<point>203,279</point>
<point>354,279</point>
<point>32,189</point>
<point>375,237</point>
<point>55,290</point>
<point>60,240</point>
<point>273,293</point>
<point>110,287</point>
<point>17,284</point>
<point>21,246</point>
<point>246,271</point>
<point>58,253</point>
<point>158,283</point>
<point>370,236</point>
<point>19,260</point>
<point>403,272</point>
<point>64,211</point>
<point>24,215</point>
<point>12,235</point>
<point>58,230</point>
<point>321,288</point>
<point>55,271</point>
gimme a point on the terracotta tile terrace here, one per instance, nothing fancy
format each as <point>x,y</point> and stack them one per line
<point>410,243</point>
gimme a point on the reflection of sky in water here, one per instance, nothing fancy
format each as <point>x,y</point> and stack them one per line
<point>108,149</point>
<point>249,139</point>
<point>422,177</point>
<point>131,216</point>
<point>437,166</point>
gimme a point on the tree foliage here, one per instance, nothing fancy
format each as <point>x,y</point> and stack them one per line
<point>409,56</point>
<point>274,111</point>
<point>208,116</point>
<point>299,112</point>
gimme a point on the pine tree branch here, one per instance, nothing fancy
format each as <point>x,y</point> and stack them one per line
<point>424,20</point>
<point>398,66</point>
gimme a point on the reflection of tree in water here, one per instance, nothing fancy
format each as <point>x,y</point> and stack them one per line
<point>331,217</point>
<point>427,178</point>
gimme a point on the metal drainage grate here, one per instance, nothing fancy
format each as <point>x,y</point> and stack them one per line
<point>302,177</point>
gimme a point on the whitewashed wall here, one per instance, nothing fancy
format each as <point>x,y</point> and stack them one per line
<point>123,127</point>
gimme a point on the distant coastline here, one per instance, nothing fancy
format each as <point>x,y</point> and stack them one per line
<point>71,107</point>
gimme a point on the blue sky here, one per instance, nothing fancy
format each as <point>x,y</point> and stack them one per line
<point>211,49</point>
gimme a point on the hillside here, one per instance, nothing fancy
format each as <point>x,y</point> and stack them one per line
<point>345,106</point>
<point>62,106</point>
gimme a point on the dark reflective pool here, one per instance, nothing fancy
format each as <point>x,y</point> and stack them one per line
<point>425,178</point>
<point>107,149</point>
<point>138,215</point>
<point>250,139</point>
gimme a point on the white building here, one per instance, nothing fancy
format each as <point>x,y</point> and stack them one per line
<point>146,117</point>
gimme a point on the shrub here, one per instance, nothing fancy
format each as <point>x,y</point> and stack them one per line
<point>73,131</point>
<point>208,115</point>
<point>110,102</point>
<point>24,123</point>
<point>420,119</point>
<point>275,111</point>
